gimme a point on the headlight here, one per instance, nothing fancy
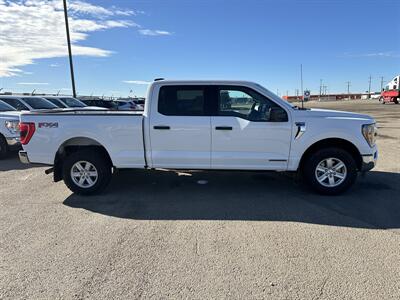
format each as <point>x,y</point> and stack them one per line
<point>12,126</point>
<point>370,132</point>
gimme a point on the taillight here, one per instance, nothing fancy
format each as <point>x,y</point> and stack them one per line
<point>26,132</point>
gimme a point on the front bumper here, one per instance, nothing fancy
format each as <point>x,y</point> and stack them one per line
<point>23,157</point>
<point>369,161</point>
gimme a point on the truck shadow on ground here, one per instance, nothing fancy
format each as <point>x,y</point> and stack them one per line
<point>12,162</point>
<point>168,195</point>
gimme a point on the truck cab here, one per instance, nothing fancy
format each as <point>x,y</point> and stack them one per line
<point>391,92</point>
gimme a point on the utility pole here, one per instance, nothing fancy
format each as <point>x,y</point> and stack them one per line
<point>369,86</point>
<point>320,89</point>
<point>71,66</point>
<point>324,88</point>
<point>381,83</point>
<point>348,89</point>
<point>301,80</point>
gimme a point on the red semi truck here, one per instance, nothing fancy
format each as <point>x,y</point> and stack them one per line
<point>391,92</point>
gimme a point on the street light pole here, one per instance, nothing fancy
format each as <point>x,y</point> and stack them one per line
<point>71,66</point>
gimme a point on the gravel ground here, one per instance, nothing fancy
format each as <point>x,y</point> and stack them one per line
<point>240,235</point>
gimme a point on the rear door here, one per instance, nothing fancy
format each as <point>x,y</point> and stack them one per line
<point>244,135</point>
<point>180,127</point>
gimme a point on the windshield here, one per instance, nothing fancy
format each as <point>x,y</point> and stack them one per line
<point>267,92</point>
<point>72,102</point>
<point>39,103</point>
<point>5,107</point>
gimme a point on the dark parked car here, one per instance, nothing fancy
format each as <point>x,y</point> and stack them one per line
<point>101,103</point>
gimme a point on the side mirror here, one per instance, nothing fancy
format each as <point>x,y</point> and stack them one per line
<point>277,114</point>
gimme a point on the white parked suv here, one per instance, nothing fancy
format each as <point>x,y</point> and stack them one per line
<point>208,125</point>
<point>9,133</point>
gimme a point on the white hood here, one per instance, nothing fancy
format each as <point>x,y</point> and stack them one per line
<point>336,114</point>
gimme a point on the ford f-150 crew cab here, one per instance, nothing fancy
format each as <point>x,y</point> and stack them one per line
<point>206,125</point>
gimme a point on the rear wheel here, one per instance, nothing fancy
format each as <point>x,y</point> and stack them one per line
<point>330,171</point>
<point>86,172</point>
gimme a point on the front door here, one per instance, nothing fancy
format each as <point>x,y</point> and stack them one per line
<point>244,134</point>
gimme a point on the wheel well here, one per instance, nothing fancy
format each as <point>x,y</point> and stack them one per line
<point>74,145</point>
<point>333,142</point>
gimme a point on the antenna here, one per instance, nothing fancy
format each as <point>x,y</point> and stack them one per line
<point>33,92</point>
<point>58,93</point>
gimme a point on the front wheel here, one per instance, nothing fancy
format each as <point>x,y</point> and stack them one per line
<point>86,172</point>
<point>330,171</point>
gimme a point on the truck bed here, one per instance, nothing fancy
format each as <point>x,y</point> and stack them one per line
<point>120,132</point>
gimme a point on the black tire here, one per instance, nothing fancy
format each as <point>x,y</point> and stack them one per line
<point>102,165</point>
<point>3,147</point>
<point>312,162</point>
<point>396,101</point>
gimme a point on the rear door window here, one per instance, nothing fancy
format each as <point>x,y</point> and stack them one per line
<point>182,100</point>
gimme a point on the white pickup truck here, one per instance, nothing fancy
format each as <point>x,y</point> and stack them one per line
<point>206,125</point>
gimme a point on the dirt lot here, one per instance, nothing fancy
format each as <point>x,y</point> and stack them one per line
<point>240,236</point>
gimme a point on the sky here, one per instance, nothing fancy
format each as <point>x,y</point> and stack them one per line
<point>120,46</point>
